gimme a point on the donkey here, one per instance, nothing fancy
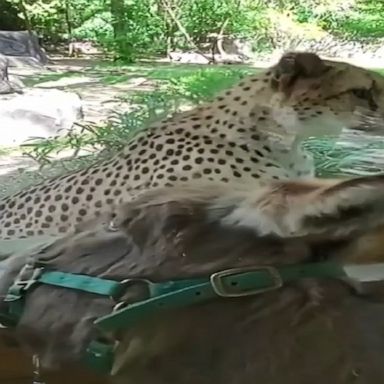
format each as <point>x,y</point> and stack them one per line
<point>313,320</point>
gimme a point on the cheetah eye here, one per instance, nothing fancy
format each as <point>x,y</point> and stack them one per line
<point>362,93</point>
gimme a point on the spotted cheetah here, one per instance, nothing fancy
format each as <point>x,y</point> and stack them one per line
<point>248,133</point>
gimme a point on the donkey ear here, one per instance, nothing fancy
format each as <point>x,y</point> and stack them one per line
<point>295,65</point>
<point>344,208</point>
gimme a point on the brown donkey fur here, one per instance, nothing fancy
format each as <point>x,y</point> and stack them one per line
<point>306,332</point>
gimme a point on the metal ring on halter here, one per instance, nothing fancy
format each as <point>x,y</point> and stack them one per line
<point>112,227</point>
<point>125,284</point>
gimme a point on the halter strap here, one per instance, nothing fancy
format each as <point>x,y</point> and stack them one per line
<point>173,294</point>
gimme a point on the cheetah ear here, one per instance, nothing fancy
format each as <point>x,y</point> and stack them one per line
<point>341,209</point>
<point>295,65</point>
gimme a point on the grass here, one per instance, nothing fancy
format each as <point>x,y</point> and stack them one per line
<point>32,81</point>
<point>347,158</point>
<point>111,73</point>
<point>178,85</point>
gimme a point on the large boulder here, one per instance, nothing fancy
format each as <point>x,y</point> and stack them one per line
<point>7,84</point>
<point>22,46</point>
<point>38,113</point>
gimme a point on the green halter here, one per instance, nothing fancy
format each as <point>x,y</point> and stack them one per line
<point>232,283</point>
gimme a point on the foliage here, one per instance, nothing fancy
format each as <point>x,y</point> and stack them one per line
<point>364,20</point>
<point>203,84</point>
<point>175,91</point>
<point>9,20</point>
<point>347,158</point>
<point>131,28</point>
<point>111,136</point>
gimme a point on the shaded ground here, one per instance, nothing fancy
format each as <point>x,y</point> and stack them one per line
<point>91,83</point>
<point>103,87</point>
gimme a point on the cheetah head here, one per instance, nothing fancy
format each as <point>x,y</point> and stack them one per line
<point>308,96</point>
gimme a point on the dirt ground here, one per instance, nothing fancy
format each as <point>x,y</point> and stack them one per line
<point>99,101</point>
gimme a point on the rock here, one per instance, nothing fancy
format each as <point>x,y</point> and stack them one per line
<point>22,45</point>
<point>7,85</point>
<point>39,113</point>
<point>197,58</point>
<point>230,45</point>
<point>83,47</point>
<point>229,59</point>
<point>239,47</point>
<point>332,46</point>
<point>16,81</point>
<point>188,57</point>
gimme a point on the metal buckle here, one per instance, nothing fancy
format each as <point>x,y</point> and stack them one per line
<point>27,283</point>
<point>220,289</point>
<point>125,284</point>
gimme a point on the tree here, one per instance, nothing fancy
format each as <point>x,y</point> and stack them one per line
<point>130,28</point>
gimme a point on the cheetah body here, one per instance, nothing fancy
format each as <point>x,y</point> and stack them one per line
<point>248,133</point>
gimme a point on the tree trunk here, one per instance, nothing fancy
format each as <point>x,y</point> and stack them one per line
<point>219,39</point>
<point>118,17</point>
<point>119,26</point>
<point>169,28</point>
<point>24,12</point>
<point>68,19</point>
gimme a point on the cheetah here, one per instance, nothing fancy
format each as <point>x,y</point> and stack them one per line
<point>248,133</point>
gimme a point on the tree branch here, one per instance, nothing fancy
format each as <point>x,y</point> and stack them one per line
<point>181,28</point>
<point>219,38</point>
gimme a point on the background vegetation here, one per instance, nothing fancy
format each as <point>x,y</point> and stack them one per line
<point>130,28</point>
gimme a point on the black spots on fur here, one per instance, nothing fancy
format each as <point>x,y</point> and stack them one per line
<point>207,171</point>
<point>10,232</point>
<point>236,174</point>
<point>158,147</point>
<point>75,200</point>
<point>49,219</point>
<point>82,212</point>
